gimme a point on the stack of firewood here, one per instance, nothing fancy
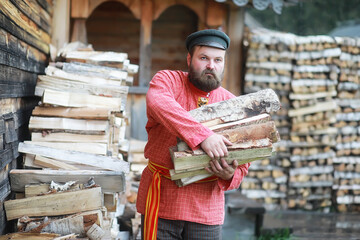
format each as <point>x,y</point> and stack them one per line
<point>313,116</point>
<point>347,161</point>
<point>76,135</point>
<point>66,211</point>
<point>244,120</point>
<point>269,65</point>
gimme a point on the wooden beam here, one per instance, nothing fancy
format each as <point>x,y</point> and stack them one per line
<point>55,204</point>
<point>145,42</point>
<point>234,59</point>
<point>109,181</point>
<point>29,236</point>
<point>79,8</point>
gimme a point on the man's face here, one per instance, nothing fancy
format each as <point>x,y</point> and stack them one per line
<point>206,67</point>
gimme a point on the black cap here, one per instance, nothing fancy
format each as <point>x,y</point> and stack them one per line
<point>208,37</point>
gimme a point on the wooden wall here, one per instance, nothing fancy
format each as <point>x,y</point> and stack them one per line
<point>168,38</point>
<point>25,28</point>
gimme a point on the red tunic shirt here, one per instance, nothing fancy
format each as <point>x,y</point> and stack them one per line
<point>169,99</point>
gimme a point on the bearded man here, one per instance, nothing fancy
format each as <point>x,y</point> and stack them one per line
<point>195,211</point>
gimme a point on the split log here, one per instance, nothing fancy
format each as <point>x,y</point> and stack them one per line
<point>72,99</point>
<point>29,236</point>
<point>238,108</point>
<point>61,84</point>
<point>186,161</point>
<point>69,137</point>
<point>102,162</point>
<point>94,70</point>
<point>109,181</point>
<point>93,148</point>
<point>77,113</point>
<point>55,204</point>
<point>70,125</point>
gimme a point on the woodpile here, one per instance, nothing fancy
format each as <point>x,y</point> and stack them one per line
<point>269,65</point>
<point>321,158</point>
<point>77,133</point>
<point>347,161</point>
<point>243,120</point>
<point>312,115</point>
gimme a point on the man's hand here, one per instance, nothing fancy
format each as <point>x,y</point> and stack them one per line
<point>215,146</point>
<point>222,169</point>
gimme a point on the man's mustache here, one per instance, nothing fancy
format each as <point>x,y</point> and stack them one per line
<point>208,71</point>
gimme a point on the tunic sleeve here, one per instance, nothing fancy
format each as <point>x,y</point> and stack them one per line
<point>166,107</point>
<point>234,183</point>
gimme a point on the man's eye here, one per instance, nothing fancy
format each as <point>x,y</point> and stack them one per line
<point>203,58</point>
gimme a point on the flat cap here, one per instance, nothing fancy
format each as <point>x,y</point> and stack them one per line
<point>208,37</point>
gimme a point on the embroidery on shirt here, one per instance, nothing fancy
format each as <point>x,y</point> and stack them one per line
<point>202,101</point>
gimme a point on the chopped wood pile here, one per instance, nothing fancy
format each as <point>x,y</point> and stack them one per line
<point>347,160</point>
<point>74,171</point>
<point>322,102</point>
<point>313,116</point>
<point>269,65</point>
<point>243,120</point>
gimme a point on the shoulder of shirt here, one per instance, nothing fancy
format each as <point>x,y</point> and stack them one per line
<point>226,93</point>
<point>171,73</point>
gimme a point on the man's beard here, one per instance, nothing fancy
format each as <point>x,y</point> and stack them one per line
<point>203,81</point>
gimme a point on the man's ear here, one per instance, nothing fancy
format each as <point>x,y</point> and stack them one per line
<point>188,59</point>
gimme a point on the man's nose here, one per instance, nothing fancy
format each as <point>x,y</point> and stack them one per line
<point>210,65</point>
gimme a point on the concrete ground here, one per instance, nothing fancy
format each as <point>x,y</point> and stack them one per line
<point>302,224</point>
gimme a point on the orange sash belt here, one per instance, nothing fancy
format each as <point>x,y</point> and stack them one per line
<point>153,198</point>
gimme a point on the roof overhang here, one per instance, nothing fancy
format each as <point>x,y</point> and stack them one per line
<point>276,5</point>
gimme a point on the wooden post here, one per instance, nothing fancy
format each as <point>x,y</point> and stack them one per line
<point>80,12</point>
<point>145,42</point>
<point>235,31</point>
<point>61,24</point>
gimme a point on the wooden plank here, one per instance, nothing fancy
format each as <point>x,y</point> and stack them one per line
<point>55,204</point>
<point>32,10</point>
<point>56,72</point>
<point>53,164</point>
<point>69,99</point>
<point>318,107</point>
<point>102,162</point>
<point>29,236</point>
<point>17,31</point>
<point>185,161</point>
<point>63,84</point>
<point>77,113</point>
<point>95,57</point>
<point>4,189</point>
<point>69,137</point>
<point>78,125</point>
<point>263,101</point>
<point>93,148</point>
<point>13,44</point>
<point>109,181</point>
<point>94,70</point>
<point>36,189</point>
<point>23,21</point>
<point>29,65</point>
